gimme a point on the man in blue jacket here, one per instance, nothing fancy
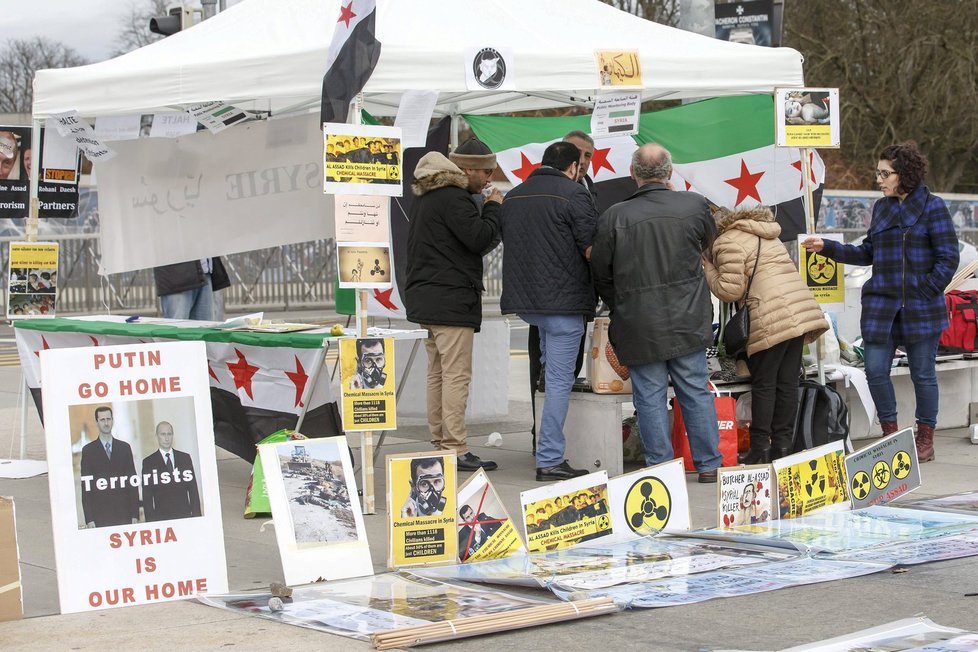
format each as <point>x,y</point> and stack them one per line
<point>548,224</point>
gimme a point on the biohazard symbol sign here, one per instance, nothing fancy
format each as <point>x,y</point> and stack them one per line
<point>647,506</point>
<point>881,474</point>
<point>860,485</point>
<point>901,465</point>
<point>604,522</point>
<point>821,269</point>
<point>815,481</point>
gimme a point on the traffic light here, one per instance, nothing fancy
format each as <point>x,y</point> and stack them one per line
<point>177,18</point>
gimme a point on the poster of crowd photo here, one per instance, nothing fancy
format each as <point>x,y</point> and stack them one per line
<point>567,513</point>
<point>33,279</point>
<point>361,160</point>
<point>132,473</point>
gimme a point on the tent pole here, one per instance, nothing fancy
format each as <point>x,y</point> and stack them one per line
<point>35,171</point>
<point>453,137</point>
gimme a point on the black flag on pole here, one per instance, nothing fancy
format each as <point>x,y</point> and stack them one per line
<point>353,55</point>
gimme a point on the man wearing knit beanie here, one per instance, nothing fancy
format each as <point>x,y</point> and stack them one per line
<point>477,161</point>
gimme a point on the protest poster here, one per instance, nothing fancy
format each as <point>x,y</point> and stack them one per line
<point>649,501</point>
<point>57,188</point>
<point>812,480</point>
<point>363,265</point>
<point>746,22</point>
<point>825,277</point>
<point>619,68</point>
<point>361,160</point>
<point>807,117</point>
<point>490,68</point>
<point>746,495</point>
<point>367,385</point>
<point>218,116</point>
<point>566,513</point>
<point>616,114</point>
<point>32,271</point>
<point>884,470</point>
<point>71,125</point>
<point>318,524</point>
<point>362,218</point>
<point>485,530</point>
<point>121,421</point>
<point>421,509</point>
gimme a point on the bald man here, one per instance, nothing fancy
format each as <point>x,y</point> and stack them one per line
<point>169,482</point>
<point>647,268</point>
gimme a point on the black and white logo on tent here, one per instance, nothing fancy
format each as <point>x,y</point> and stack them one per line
<point>489,68</point>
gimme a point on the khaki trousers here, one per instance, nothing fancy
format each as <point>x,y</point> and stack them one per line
<point>449,374</point>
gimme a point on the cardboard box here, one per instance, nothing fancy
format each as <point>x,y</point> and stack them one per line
<point>11,603</point>
<point>608,376</point>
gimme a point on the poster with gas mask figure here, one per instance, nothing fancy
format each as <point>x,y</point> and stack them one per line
<point>421,508</point>
<point>367,384</point>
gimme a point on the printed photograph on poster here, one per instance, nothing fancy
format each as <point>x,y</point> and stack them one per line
<point>367,384</point>
<point>566,513</point>
<point>884,470</point>
<point>132,464</point>
<point>807,117</point>
<point>361,160</point>
<point>746,495</point>
<point>318,522</point>
<point>58,164</point>
<point>485,530</point>
<point>746,22</point>
<point>619,68</point>
<point>649,501</point>
<point>421,507</point>
<point>825,277</point>
<point>362,218</point>
<point>812,480</point>
<point>363,265</point>
<point>33,279</point>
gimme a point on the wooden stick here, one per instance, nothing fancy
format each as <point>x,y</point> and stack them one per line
<point>962,275</point>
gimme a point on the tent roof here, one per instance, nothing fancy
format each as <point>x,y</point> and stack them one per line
<point>269,54</point>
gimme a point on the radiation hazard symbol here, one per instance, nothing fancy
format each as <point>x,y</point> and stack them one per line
<point>881,474</point>
<point>815,480</point>
<point>647,506</point>
<point>901,465</point>
<point>821,269</point>
<point>860,485</point>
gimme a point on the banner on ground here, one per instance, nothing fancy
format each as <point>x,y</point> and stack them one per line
<point>566,513</point>
<point>135,503</point>
<point>485,530</point>
<point>33,279</point>
<point>421,509</point>
<point>812,480</point>
<point>746,495</point>
<point>649,501</point>
<point>367,384</point>
<point>884,470</point>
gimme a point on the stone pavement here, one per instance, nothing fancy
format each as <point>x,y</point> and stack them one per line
<point>759,622</point>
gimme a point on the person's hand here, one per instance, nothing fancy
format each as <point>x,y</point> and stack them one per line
<point>813,243</point>
<point>135,521</point>
<point>493,194</point>
<point>410,509</point>
<point>587,253</point>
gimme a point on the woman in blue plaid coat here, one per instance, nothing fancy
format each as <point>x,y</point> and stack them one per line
<point>913,249</point>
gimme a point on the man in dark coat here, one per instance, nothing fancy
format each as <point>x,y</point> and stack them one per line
<point>109,485</point>
<point>186,290</point>
<point>169,482</point>
<point>548,224</point>
<point>446,240</point>
<point>648,270</point>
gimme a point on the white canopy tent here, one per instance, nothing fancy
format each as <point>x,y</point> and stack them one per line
<point>269,54</point>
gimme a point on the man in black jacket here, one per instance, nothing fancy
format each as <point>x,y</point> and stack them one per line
<point>548,224</point>
<point>648,270</point>
<point>446,240</point>
<point>186,290</point>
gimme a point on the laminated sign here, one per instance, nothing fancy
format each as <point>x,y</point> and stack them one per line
<point>883,471</point>
<point>421,508</point>
<point>367,384</point>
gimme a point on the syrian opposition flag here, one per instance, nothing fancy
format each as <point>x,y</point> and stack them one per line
<point>352,57</point>
<point>722,148</point>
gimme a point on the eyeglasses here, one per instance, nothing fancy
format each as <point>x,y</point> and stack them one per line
<point>884,174</point>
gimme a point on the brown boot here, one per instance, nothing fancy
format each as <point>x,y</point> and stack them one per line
<point>889,427</point>
<point>924,439</point>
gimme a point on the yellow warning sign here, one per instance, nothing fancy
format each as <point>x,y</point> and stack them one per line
<point>647,506</point>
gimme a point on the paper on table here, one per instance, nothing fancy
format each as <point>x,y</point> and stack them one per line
<point>18,469</point>
<point>414,116</point>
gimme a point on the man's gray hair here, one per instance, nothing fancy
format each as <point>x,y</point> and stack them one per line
<point>652,169</point>
<point>580,134</point>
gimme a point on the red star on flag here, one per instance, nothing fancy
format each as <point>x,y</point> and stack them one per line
<point>346,14</point>
<point>242,373</point>
<point>299,378</point>
<point>811,169</point>
<point>44,347</point>
<point>94,341</point>
<point>746,184</point>
<point>688,185</point>
<point>600,160</point>
<point>210,372</point>
<point>525,168</point>
<point>383,297</point>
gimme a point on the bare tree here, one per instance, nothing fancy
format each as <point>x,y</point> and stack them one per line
<point>19,59</point>
<point>905,70</point>
<point>134,27</point>
<point>665,12</point>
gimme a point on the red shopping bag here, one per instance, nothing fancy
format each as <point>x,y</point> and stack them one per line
<point>726,407</point>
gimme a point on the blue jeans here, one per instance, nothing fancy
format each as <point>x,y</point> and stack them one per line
<point>190,304</point>
<point>690,375</point>
<point>922,356</point>
<point>560,339</point>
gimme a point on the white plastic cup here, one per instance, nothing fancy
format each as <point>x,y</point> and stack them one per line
<point>495,439</point>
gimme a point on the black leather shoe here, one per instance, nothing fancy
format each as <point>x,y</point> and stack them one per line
<point>778,453</point>
<point>754,456</point>
<point>472,462</point>
<point>708,477</point>
<point>563,471</point>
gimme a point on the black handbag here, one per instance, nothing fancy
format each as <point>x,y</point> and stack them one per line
<point>736,331</point>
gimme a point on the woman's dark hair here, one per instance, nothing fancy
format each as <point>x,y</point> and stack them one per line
<point>908,162</point>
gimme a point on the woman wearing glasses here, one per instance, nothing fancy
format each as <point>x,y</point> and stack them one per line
<point>913,249</point>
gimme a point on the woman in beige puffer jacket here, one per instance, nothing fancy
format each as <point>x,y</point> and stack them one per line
<point>783,318</point>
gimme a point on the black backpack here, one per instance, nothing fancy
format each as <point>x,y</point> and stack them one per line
<point>823,417</point>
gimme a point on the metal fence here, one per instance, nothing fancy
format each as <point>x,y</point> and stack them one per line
<point>290,277</point>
